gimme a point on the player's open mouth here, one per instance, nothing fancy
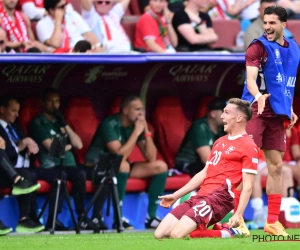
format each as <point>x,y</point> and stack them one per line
<point>270,34</point>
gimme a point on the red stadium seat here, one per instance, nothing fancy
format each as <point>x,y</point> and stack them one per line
<point>82,118</point>
<point>134,7</point>
<point>115,106</point>
<point>176,182</point>
<point>76,5</point>
<point>170,125</point>
<point>227,31</point>
<point>5,191</point>
<point>29,110</point>
<point>129,25</point>
<point>293,26</point>
<point>202,108</point>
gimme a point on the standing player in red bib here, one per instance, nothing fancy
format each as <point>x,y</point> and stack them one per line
<point>233,160</point>
<point>272,64</point>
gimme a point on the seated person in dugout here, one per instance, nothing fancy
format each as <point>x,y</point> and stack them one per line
<point>43,128</point>
<point>10,178</point>
<point>233,161</point>
<point>18,147</point>
<point>196,145</point>
<point>119,134</point>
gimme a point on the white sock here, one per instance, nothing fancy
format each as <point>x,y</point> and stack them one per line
<point>257,203</point>
<point>225,234</point>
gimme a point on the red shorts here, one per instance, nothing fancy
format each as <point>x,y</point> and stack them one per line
<point>205,210</point>
<point>267,132</point>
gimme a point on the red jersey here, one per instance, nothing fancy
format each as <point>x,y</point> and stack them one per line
<point>147,28</point>
<point>230,157</point>
<point>257,56</point>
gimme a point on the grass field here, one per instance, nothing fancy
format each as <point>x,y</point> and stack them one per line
<point>137,241</point>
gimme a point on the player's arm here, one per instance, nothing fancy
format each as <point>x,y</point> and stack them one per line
<point>147,146</point>
<point>204,153</point>
<point>248,181</point>
<point>117,148</point>
<point>168,200</point>
<point>148,149</point>
<point>252,73</point>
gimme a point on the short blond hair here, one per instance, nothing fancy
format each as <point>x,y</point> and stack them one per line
<point>242,106</point>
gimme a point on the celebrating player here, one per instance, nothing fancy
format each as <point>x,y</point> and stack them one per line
<point>233,160</point>
<point>272,64</point>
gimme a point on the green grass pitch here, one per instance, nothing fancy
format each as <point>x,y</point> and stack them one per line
<point>137,241</point>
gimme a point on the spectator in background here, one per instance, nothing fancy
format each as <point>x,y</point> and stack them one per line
<point>228,9</point>
<point>34,9</point>
<point>292,7</point>
<point>154,30</point>
<point>18,147</point>
<point>61,29</point>
<point>256,29</point>
<point>34,50</point>
<point>3,43</point>
<point>82,46</point>
<point>198,141</point>
<point>193,28</point>
<point>173,6</point>
<point>119,134</point>
<point>104,18</point>
<point>18,28</point>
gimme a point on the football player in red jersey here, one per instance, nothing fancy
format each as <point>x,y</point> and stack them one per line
<point>233,160</point>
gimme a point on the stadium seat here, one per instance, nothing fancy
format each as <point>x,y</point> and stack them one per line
<point>129,25</point>
<point>5,191</point>
<point>202,108</point>
<point>227,31</point>
<point>170,126</point>
<point>293,26</point>
<point>76,5</point>
<point>82,118</point>
<point>29,110</point>
<point>134,7</point>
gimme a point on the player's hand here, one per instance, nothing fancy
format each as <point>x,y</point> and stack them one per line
<point>2,143</point>
<point>59,15</point>
<point>68,147</point>
<point>293,120</point>
<point>60,118</point>
<point>139,125</point>
<point>167,200</point>
<point>234,221</point>
<point>31,146</point>
<point>262,102</point>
